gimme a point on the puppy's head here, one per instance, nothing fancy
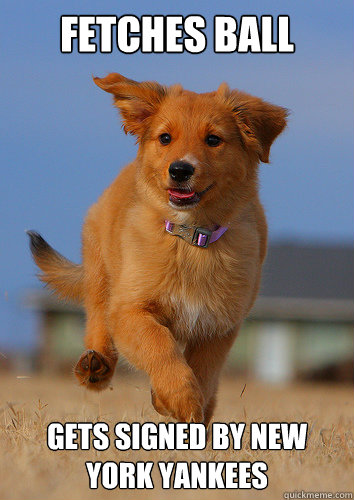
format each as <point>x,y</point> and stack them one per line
<point>198,153</point>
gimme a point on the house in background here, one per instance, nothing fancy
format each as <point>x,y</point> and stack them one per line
<point>301,325</point>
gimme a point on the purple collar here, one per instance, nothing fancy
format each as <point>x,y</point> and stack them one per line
<point>197,236</point>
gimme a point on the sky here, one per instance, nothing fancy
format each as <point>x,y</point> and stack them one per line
<point>61,142</point>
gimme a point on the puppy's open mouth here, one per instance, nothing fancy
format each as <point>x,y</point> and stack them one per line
<point>185,197</point>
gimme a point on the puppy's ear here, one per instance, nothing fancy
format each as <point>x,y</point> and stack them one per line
<point>259,121</point>
<point>137,102</point>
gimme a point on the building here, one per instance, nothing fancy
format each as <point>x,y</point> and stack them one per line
<point>300,326</point>
<point>302,322</point>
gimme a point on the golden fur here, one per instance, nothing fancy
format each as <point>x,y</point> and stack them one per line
<point>172,309</point>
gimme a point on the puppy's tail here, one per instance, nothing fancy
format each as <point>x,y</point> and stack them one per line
<point>59,273</point>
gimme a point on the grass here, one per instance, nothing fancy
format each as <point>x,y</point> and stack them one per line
<point>30,471</point>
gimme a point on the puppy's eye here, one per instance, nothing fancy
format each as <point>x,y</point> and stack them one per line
<point>212,140</point>
<point>165,139</point>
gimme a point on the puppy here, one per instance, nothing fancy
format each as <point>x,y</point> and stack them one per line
<point>173,249</point>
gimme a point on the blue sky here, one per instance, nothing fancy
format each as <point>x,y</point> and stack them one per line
<point>61,142</point>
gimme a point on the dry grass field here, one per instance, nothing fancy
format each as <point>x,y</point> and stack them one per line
<point>30,471</point>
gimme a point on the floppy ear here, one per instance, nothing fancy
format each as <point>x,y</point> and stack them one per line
<point>259,121</point>
<point>136,101</point>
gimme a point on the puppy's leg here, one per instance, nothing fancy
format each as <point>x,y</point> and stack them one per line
<point>150,346</point>
<point>206,358</point>
<point>96,365</point>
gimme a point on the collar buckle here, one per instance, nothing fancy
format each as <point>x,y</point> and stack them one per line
<point>201,237</point>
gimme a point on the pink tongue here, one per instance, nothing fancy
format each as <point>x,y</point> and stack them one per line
<point>181,194</point>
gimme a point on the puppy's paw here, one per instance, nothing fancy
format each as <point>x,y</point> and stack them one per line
<point>157,404</point>
<point>189,407</point>
<point>184,401</point>
<point>94,370</point>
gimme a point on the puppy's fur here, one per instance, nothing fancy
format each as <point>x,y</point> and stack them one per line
<point>172,309</point>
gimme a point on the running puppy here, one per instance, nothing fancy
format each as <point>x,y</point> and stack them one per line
<point>173,249</point>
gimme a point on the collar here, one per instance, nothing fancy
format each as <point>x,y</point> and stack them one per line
<point>194,235</point>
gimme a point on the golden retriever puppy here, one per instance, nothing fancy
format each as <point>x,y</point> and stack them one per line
<point>173,249</point>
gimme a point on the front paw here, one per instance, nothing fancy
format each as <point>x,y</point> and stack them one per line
<point>157,404</point>
<point>94,370</point>
<point>183,401</point>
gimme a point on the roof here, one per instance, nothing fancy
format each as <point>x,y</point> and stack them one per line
<point>304,271</point>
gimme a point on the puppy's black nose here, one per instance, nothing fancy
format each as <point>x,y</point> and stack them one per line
<point>180,171</point>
